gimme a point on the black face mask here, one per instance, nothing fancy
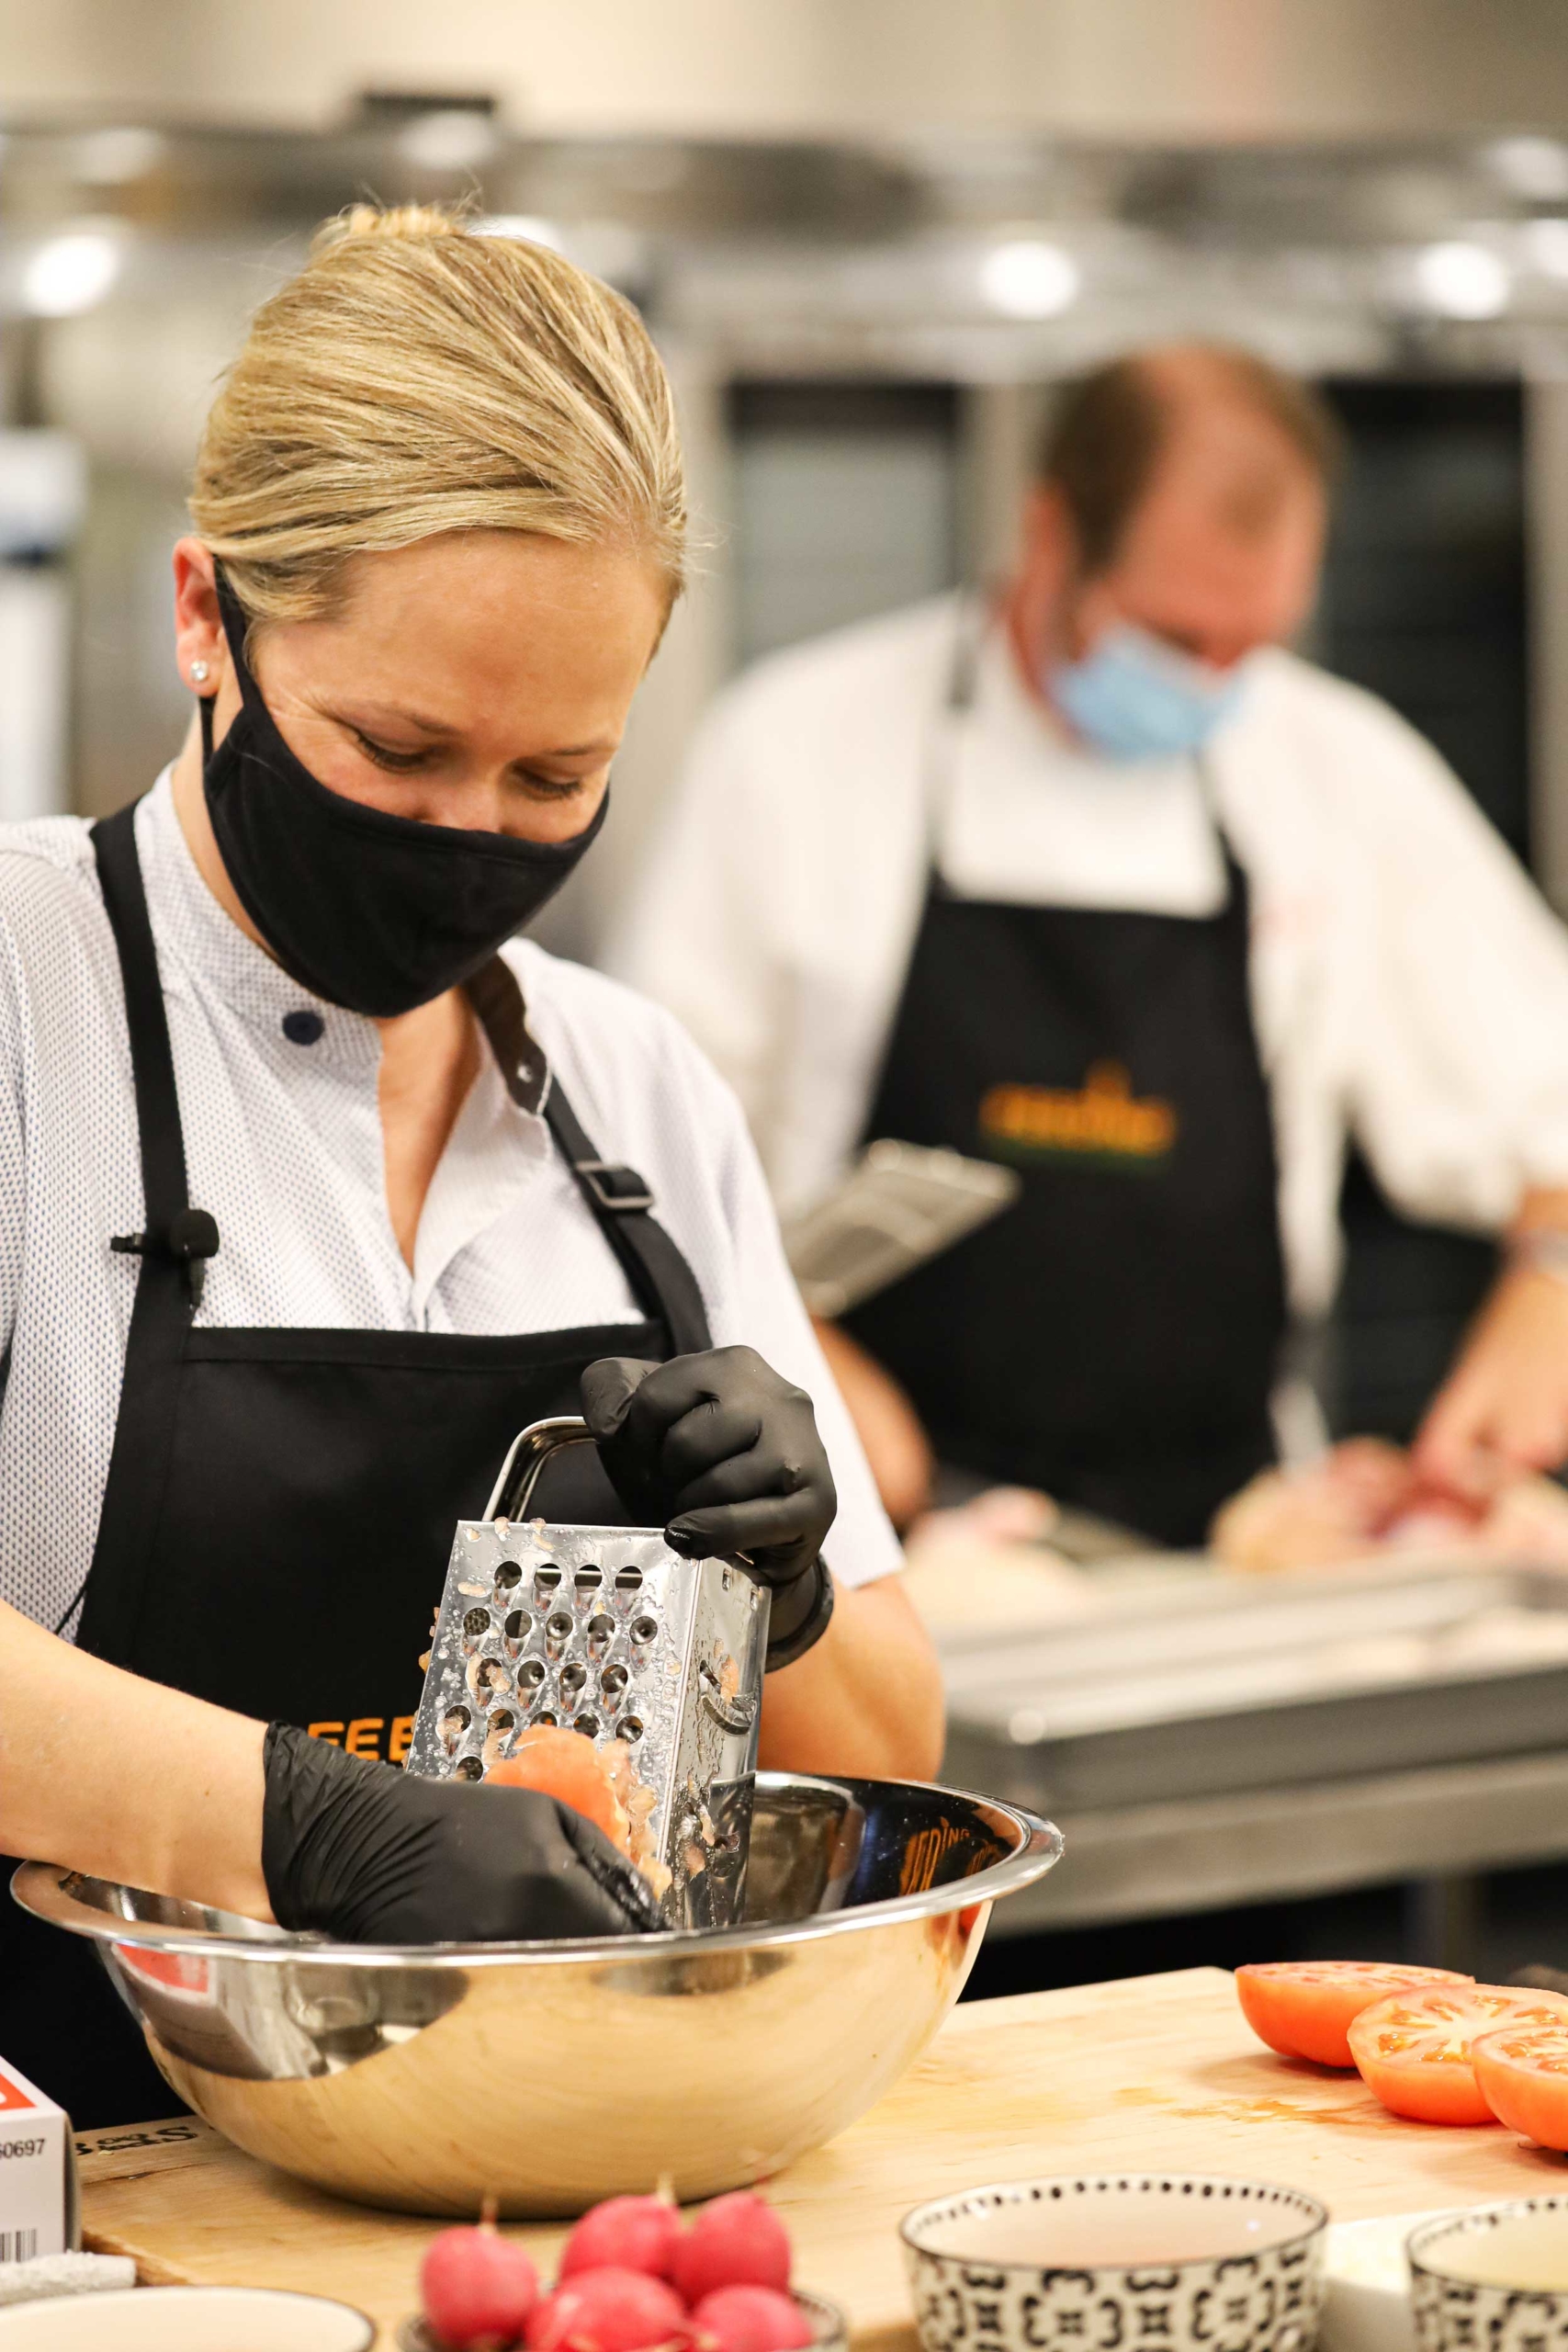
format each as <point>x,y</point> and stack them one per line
<point>373,913</point>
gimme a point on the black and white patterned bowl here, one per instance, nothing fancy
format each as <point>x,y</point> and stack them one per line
<point>1458,2315</point>
<point>1261,2292</point>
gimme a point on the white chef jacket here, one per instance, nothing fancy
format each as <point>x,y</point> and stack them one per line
<point>283,1144</point>
<point>1409,986</point>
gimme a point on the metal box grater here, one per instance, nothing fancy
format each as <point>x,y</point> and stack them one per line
<point>605,1630</point>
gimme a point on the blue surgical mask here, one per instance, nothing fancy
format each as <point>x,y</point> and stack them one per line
<point>1134,698</point>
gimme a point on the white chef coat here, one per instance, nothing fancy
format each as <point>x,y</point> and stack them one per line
<point>1409,986</point>
<point>283,1143</point>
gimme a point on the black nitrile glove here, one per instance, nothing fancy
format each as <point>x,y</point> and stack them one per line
<point>373,1855</point>
<point>724,1455</point>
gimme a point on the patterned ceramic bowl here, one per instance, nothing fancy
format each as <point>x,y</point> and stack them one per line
<point>1127,2260</point>
<point>186,2319</point>
<point>1493,2280</point>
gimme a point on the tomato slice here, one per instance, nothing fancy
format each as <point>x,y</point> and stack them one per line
<point>1304,2009</point>
<point>1522,2073</point>
<point>1413,2050</point>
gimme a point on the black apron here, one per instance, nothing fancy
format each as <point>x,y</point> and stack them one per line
<point>280,1503</point>
<point>1111,1337</point>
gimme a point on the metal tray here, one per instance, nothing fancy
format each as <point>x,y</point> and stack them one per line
<point>1221,1683</point>
<point>901,1205</point>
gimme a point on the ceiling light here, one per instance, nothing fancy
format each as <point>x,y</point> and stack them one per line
<point>110,158</point>
<point>71,272</point>
<point>1027,278</point>
<point>1461,280</point>
<point>1532,167</point>
<point>449,139</point>
<point>529,228</point>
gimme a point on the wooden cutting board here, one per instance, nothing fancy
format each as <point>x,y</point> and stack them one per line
<point>1157,2074</point>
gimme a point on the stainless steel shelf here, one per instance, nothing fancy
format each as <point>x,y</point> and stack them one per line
<point>1228,1740</point>
<point>1202,1853</point>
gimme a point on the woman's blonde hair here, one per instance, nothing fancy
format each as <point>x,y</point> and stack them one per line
<point>419,377</point>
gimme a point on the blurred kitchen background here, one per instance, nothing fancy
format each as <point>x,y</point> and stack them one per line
<point>871,235</point>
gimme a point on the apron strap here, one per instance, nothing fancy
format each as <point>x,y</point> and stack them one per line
<point>178,1239</point>
<point>959,697</point>
<point>163,1179</point>
<point>172,1251</point>
<point>1237,888</point>
<point>663,1282</point>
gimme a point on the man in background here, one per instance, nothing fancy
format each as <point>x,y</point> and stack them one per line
<point>1095,879</point>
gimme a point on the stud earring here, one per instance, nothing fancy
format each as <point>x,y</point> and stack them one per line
<point>198,671</point>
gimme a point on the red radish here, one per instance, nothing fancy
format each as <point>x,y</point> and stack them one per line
<point>608,2311</point>
<point>752,2319</point>
<point>625,2234</point>
<point>478,2289</point>
<point>738,2241</point>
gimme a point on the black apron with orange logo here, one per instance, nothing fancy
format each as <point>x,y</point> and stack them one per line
<point>1113,1336</point>
<point>280,1503</point>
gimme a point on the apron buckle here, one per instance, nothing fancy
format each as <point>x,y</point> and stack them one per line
<point>620,1189</point>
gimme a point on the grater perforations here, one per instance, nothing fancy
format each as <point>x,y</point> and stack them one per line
<point>607,1632</point>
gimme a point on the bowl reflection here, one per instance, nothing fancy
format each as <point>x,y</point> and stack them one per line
<point>551,2075</point>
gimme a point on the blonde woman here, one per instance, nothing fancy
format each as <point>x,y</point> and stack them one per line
<point>316,1184</point>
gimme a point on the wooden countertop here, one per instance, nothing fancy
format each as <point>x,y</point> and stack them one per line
<point>1158,2073</point>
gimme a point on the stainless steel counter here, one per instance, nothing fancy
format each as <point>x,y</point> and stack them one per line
<point>1227,1741</point>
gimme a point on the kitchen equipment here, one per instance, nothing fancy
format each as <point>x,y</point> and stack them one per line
<point>1061,2264</point>
<point>187,2319</point>
<point>1366,2304</point>
<point>607,1630</point>
<point>40,2205</point>
<point>1155,2074</point>
<point>556,2074</point>
<point>1209,1683</point>
<point>1496,2277</point>
<point>901,1204</point>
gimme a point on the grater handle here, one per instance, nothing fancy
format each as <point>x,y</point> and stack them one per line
<point>736,1712</point>
<point>529,1452</point>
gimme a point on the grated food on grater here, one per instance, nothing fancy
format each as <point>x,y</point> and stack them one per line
<point>598,1783</point>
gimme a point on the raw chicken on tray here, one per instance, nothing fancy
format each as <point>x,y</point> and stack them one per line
<point>1364,1499</point>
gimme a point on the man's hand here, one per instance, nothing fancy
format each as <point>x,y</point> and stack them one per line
<point>1505,1401</point>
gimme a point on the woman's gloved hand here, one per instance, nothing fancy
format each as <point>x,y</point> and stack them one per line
<point>370,1854</point>
<point>724,1454</point>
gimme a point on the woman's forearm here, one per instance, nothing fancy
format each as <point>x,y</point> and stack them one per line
<point>886,1422</point>
<point>123,1779</point>
<point>104,1772</point>
<point>866,1702</point>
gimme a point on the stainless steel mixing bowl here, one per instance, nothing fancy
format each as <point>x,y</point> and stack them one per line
<point>553,2073</point>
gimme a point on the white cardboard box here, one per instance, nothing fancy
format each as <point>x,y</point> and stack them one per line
<point>39,2206</point>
